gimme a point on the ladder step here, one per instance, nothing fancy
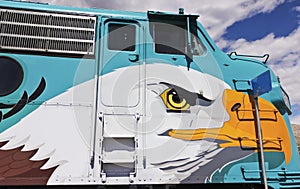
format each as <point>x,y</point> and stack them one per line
<point>118,170</point>
<point>117,135</point>
<point>112,144</point>
<point>119,126</point>
<point>118,156</point>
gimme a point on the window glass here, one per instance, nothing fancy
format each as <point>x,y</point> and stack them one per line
<point>172,39</point>
<point>197,45</point>
<point>169,39</point>
<point>121,37</point>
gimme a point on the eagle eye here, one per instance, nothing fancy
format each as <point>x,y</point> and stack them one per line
<point>174,101</point>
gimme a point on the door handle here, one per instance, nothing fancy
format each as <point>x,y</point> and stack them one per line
<point>133,57</point>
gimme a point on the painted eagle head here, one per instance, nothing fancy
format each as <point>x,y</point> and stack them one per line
<point>196,120</point>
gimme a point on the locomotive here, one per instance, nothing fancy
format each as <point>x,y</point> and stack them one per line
<point>106,98</point>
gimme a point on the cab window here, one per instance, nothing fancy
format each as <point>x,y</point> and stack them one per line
<point>121,37</point>
<point>169,39</point>
<point>172,39</point>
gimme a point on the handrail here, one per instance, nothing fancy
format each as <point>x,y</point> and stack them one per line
<point>234,55</point>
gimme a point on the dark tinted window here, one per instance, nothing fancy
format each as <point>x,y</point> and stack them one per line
<point>121,37</point>
<point>11,76</point>
<point>169,39</point>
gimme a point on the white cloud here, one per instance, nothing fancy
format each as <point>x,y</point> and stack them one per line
<point>216,15</point>
<point>278,47</point>
<point>295,119</point>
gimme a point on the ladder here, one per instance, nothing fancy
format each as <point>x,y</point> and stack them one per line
<point>118,145</point>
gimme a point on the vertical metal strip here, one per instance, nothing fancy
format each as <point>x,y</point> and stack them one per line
<point>260,137</point>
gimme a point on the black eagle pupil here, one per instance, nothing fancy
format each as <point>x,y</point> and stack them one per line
<point>175,97</point>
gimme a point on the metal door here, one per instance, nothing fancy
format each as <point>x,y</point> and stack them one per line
<point>119,104</point>
<point>120,65</point>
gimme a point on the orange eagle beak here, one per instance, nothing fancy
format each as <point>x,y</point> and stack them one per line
<point>240,130</point>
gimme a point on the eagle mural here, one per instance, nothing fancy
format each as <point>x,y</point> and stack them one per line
<point>192,125</point>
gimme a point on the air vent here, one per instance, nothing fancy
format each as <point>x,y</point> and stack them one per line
<point>47,32</point>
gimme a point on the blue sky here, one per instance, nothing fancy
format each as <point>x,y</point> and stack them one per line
<point>281,21</point>
<point>246,26</point>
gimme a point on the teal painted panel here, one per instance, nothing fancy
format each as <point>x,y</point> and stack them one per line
<point>59,74</point>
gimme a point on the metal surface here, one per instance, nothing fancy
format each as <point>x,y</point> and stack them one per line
<point>47,32</point>
<point>260,137</point>
<point>261,84</point>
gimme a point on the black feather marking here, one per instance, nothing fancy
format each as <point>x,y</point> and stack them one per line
<point>21,103</point>
<point>6,106</point>
<point>40,89</point>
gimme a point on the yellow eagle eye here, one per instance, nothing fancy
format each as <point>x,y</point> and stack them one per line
<point>173,101</point>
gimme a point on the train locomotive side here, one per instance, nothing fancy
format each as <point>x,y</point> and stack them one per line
<point>113,99</point>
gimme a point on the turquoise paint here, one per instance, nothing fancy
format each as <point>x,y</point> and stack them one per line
<point>62,73</point>
<point>247,169</point>
<point>59,73</point>
<point>233,172</point>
